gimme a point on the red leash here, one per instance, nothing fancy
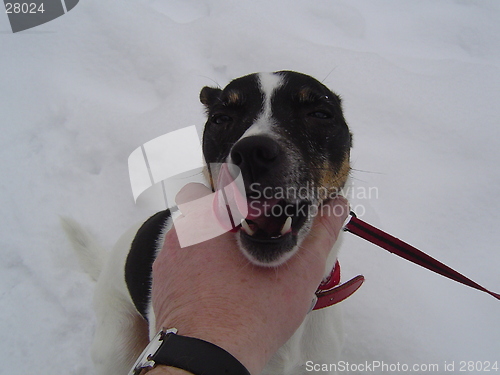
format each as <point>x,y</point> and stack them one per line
<point>330,292</point>
<point>408,252</point>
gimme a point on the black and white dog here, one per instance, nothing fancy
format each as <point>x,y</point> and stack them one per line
<point>287,134</point>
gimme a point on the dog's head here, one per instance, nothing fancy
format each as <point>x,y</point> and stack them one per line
<point>287,134</point>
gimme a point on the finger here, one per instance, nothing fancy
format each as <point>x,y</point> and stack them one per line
<point>191,192</point>
<point>334,214</point>
<point>197,222</point>
<point>327,224</point>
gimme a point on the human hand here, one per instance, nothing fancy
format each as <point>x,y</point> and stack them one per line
<point>211,291</point>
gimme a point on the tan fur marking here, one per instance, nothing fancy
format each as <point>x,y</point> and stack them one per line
<point>208,176</point>
<point>304,94</point>
<point>234,98</point>
<point>332,181</point>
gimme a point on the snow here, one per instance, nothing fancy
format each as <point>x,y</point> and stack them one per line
<point>420,84</point>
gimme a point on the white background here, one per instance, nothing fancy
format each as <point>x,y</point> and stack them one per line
<point>420,86</point>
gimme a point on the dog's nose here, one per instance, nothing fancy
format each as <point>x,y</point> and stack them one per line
<point>256,156</point>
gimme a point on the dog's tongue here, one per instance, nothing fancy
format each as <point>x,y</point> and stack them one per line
<point>231,205</point>
<point>260,208</point>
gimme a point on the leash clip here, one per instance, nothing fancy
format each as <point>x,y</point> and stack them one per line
<point>348,219</point>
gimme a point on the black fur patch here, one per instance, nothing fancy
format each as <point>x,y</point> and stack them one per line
<point>230,112</point>
<point>138,267</point>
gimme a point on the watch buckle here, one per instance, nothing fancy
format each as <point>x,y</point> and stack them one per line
<point>144,361</point>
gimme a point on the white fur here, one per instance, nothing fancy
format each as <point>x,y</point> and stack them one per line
<point>90,254</point>
<point>268,83</point>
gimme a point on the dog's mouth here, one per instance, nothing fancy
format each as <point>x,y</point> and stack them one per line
<point>269,234</point>
<point>268,229</point>
<point>271,220</point>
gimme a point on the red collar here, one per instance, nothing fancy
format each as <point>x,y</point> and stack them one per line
<point>330,292</point>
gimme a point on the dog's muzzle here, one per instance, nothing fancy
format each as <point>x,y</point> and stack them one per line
<point>269,224</point>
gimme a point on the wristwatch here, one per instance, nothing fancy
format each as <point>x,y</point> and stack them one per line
<point>196,356</point>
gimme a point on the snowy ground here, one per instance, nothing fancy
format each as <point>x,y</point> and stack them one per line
<point>420,83</point>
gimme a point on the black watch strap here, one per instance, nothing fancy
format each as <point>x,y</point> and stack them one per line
<point>197,356</point>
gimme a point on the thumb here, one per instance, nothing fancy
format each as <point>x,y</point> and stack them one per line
<point>328,224</point>
<point>191,192</point>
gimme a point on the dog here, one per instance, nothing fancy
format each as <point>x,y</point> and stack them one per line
<point>286,133</point>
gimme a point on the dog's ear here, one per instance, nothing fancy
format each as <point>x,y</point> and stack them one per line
<point>209,95</point>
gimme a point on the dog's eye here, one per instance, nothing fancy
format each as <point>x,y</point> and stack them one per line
<point>322,115</point>
<point>220,119</point>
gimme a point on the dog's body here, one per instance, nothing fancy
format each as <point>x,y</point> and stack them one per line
<point>286,132</point>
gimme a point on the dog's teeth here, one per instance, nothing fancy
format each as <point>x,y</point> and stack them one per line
<point>287,226</point>
<point>247,228</point>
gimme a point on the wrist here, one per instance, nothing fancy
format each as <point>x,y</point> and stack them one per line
<point>191,354</point>
<point>236,343</point>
